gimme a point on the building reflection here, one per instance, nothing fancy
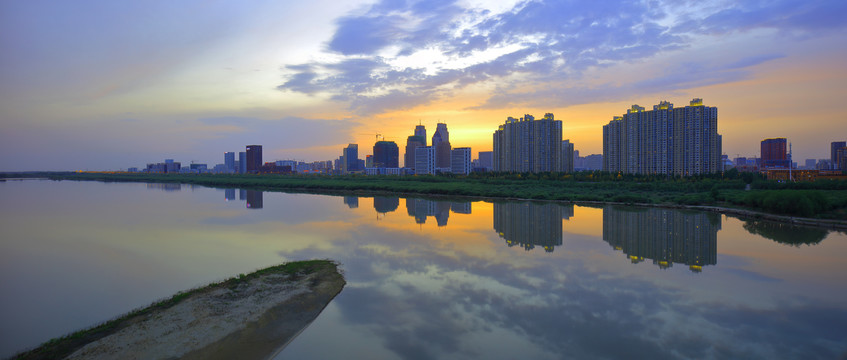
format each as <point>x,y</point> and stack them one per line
<point>383,204</point>
<point>529,225</point>
<point>254,199</point>
<point>351,201</point>
<point>420,209</point>
<point>164,186</point>
<point>663,236</point>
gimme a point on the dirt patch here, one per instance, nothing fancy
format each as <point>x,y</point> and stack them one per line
<point>249,317</point>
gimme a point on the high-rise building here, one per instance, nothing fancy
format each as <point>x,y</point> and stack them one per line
<point>666,140</point>
<point>242,162</point>
<point>425,160</point>
<point>420,130</point>
<point>528,145</point>
<point>834,159</point>
<point>386,154</point>
<point>350,161</point>
<point>775,153</point>
<point>486,160</point>
<point>567,156</point>
<point>841,156</point>
<point>460,159</point>
<point>441,143</point>
<point>254,158</point>
<point>229,161</point>
<point>810,164</point>
<point>412,143</point>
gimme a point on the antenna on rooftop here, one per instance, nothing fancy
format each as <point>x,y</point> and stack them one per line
<point>790,164</point>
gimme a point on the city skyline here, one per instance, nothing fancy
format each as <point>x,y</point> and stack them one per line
<point>108,86</point>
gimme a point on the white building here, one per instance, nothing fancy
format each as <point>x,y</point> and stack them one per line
<point>460,159</point>
<point>424,160</point>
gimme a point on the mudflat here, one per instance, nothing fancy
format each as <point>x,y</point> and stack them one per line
<point>251,316</point>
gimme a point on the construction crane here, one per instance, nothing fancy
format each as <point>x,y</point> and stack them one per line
<point>377,136</point>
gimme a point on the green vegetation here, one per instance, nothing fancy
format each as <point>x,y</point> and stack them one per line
<point>786,233</point>
<point>62,347</point>
<point>823,199</point>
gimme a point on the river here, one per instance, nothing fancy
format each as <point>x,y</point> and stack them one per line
<point>431,278</point>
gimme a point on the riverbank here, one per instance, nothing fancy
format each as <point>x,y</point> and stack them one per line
<point>248,316</point>
<point>819,204</point>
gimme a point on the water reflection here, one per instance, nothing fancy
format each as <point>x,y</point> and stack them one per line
<point>663,236</point>
<point>351,201</point>
<point>164,186</point>
<point>786,233</point>
<point>383,204</point>
<point>425,292</point>
<point>420,209</point>
<point>529,224</point>
<point>253,198</point>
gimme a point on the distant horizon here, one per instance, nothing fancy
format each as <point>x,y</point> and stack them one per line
<point>88,85</point>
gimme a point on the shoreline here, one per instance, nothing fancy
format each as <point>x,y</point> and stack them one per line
<point>248,316</point>
<point>742,213</point>
<point>248,182</point>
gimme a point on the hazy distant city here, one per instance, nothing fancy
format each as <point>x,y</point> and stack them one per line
<point>681,141</point>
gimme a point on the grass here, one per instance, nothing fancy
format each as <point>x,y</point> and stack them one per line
<point>821,199</point>
<point>64,346</point>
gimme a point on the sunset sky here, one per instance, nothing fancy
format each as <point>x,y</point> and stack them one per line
<point>106,85</point>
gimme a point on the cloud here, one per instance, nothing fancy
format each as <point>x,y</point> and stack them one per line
<point>785,16</point>
<point>546,43</point>
<point>753,61</point>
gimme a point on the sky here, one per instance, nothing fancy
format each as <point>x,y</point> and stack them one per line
<point>107,85</point>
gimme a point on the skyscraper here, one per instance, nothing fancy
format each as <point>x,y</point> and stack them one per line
<point>460,160</point>
<point>425,160</point>
<point>774,153</point>
<point>412,143</point>
<point>254,158</point>
<point>528,145</point>
<point>486,160</point>
<point>420,130</point>
<point>567,156</point>
<point>229,161</point>
<point>242,162</point>
<point>441,143</point>
<point>350,156</point>
<point>665,140</point>
<point>834,159</point>
<point>386,154</point>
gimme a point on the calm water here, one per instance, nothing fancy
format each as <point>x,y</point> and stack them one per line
<point>430,278</point>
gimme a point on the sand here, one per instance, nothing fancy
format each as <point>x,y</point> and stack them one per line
<point>252,320</point>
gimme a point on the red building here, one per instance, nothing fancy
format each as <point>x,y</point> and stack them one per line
<point>775,153</point>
